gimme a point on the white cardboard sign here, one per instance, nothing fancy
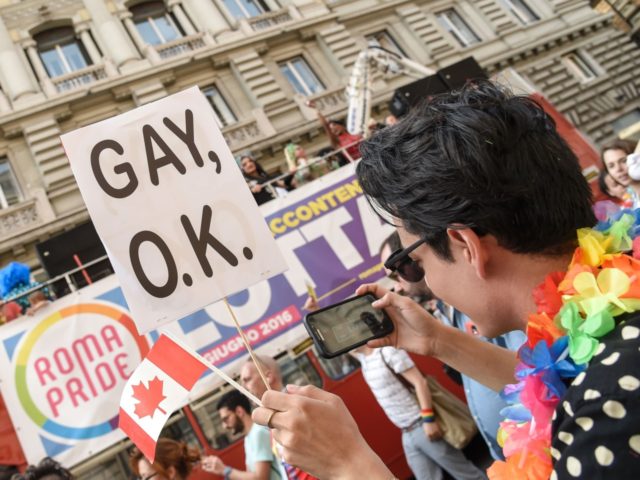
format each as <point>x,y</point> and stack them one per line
<point>172,208</point>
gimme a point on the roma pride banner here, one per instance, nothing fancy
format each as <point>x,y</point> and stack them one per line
<point>63,371</point>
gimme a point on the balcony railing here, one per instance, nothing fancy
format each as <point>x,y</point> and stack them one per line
<point>330,100</point>
<point>181,46</point>
<point>269,20</point>
<point>242,133</point>
<point>18,218</point>
<point>79,78</point>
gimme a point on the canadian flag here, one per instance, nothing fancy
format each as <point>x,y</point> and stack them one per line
<point>156,388</point>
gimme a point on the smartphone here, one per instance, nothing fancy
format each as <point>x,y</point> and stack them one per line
<point>338,328</point>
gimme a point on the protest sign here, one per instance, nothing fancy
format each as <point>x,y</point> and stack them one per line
<point>172,208</point>
<point>63,371</point>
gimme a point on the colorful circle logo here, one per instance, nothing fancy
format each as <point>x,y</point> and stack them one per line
<point>24,354</point>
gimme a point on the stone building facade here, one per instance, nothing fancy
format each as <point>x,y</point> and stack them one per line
<point>68,63</point>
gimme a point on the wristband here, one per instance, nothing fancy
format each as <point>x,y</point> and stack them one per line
<point>227,472</point>
<point>427,415</point>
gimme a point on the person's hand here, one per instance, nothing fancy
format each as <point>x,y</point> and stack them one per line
<point>310,104</point>
<point>318,434</point>
<point>257,188</point>
<point>212,464</point>
<point>311,305</point>
<point>415,329</point>
<point>432,431</point>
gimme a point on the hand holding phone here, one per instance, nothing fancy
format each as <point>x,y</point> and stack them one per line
<point>339,328</point>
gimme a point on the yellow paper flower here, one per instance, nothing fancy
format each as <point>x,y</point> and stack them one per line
<point>594,245</point>
<point>594,295</point>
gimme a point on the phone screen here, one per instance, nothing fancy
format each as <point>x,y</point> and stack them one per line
<point>339,328</point>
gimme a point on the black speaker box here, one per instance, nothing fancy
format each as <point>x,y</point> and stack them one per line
<point>56,256</point>
<point>443,81</point>
<point>409,95</point>
<point>459,73</point>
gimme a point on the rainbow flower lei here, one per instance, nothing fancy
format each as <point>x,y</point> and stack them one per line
<point>574,310</point>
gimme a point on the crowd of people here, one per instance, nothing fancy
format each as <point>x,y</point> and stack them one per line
<point>491,205</point>
<point>301,168</point>
<point>491,208</point>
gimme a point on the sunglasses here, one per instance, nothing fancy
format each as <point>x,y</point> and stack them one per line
<point>403,265</point>
<point>148,477</point>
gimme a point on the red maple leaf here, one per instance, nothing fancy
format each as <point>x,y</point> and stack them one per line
<point>149,398</point>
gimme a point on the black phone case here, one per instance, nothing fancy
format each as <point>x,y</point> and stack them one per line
<point>319,343</point>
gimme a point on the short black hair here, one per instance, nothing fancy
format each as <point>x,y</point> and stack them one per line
<point>234,399</point>
<point>48,467</point>
<point>393,241</point>
<point>484,159</point>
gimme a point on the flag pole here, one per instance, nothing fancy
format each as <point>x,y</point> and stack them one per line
<point>216,370</point>
<point>244,339</point>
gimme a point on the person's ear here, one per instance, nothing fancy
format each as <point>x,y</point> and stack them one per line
<point>172,473</point>
<point>470,247</point>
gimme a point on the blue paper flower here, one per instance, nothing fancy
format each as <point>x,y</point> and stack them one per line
<point>551,364</point>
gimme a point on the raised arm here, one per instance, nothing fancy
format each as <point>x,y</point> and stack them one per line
<point>333,139</point>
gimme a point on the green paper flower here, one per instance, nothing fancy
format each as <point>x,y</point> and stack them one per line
<point>584,333</point>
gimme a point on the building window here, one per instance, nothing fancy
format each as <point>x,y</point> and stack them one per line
<point>628,125</point>
<point>456,26</point>
<point>224,115</point>
<point>9,191</point>
<point>61,52</point>
<point>521,11</point>
<point>384,40</point>
<point>581,66</point>
<point>301,77</point>
<point>154,23</point>
<point>246,8</point>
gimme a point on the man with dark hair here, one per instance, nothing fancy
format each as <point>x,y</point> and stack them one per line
<point>485,404</point>
<point>235,412</point>
<point>487,198</point>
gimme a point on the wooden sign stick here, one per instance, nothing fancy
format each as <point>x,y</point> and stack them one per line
<point>244,339</point>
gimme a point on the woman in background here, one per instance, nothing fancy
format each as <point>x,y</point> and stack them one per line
<point>174,461</point>
<point>256,177</point>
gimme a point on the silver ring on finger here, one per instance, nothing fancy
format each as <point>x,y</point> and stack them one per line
<point>271,415</point>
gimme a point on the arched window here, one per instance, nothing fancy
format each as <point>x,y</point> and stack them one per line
<point>154,23</point>
<point>61,52</point>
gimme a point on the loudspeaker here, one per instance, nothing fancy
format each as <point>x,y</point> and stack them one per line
<point>56,256</point>
<point>459,73</point>
<point>409,95</point>
<point>443,81</point>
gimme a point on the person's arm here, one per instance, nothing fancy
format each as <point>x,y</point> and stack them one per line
<point>261,473</point>
<point>213,464</point>
<point>333,139</point>
<point>416,378</point>
<point>318,434</point>
<point>418,331</point>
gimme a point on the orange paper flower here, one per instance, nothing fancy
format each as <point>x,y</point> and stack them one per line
<point>515,467</point>
<point>541,327</point>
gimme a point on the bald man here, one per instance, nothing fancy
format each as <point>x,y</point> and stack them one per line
<point>251,378</point>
